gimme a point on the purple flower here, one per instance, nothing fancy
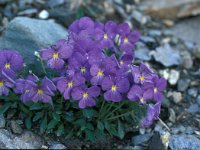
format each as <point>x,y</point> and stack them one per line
<point>10,61</point>
<point>80,64</point>
<point>156,87</point>
<point>105,34</point>
<point>153,113</point>
<point>66,84</point>
<point>44,91</point>
<point>114,87</point>
<point>86,96</point>
<point>127,38</point>
<point>5,85</point>
<point>125,59</point>
<point>142,74</point>
<point>30,91</point>
<point>56,54</point>
<point>99,71</point>
<point>137,93</point>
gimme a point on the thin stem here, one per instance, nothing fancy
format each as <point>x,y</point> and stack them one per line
<point>115,117</point>
<point>115,110</point>
<point>43,68</point>
<point>102,105</point>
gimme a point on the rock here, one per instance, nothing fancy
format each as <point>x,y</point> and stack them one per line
<point>165,139</point>
<point>198,100</point>
<point>57,146</point>
<point>189,130</point>
<point>2,121</point>
<point>187,61</point>
<point>193,108</point>
<point>143,54</point>
<point>183,84</point>
<point>139,17</point>
<point>28,35</point>
<point>30,11</point>
<point>177,97</point>
<point>193,92</point>
<point>155,142</point>
<point>196,51</point>
<point>155,33</point>
<point>168,23</point>
<point>173,77</point>
<point>167,56</point>
<point>171,9</point>
<point>43,14</point>
<point>147,39</point>
<point>172,115</point>
<point>16,128</point>
<point>53,3</point>
<point>191,34</point>
<point>189,142</point>
<point>139,139</point>
<point>27,140</point>
<point>178,129</point>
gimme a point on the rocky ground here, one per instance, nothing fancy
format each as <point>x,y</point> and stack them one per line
<point>169,44</point>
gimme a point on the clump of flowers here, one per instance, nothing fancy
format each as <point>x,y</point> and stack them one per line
<point>94,65</point>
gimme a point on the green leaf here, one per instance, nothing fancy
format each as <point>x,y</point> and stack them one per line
<point>56,116</point>
<point>100,126</point>
<point>24,109</point>
<point>37,116</point>
<point>113,130</point>
<point>121,131</point>
<point>107,125</point>
<point>43,124</point>
<point>36,106</point>
<point>60,130</point>
<point>80,122</point>
<point>28,122</point>
<point>89,126</point>
<point>4,108</point>
<point>99,134</point>
<point>90,135</point>
<point>88,113</point>
<point>52,124</point>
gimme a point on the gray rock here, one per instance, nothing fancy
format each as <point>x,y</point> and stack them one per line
<point>172,115</point>
<point>2,121</point>
<point>191,34</point>
<point>27,35</point>
<point>198,100</point>
<point>147,39</point>
<point>143,54</point>
<point>57,146</point>
<point>155,33</point>
<point>189,130</point>
<point>177,97</point>
<point>193,108</point>
<point>173,77</point>
<point>193,92</point>
<point>16,128</point>
<point>187,61</point>
<point>171,9</point>
<point>27,140</point>
<point>188,142</point>
<point>167,56</point>
<point>183,84</point>
<point>44,14</point>
<point>178,129</point>
<point>139,139</point>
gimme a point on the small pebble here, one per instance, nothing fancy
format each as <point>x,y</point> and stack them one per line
<point>174,77</point>
<point>16,128</point>
<point>193,108</point>
<point>43,14</point>
<point>193,92</point>
<point>183,84</point>
<point>198,100</point>
<point>172,116</point>
<point>177,97</point>
<point>2,121</point>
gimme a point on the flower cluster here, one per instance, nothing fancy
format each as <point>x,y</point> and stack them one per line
<point>95,60</point>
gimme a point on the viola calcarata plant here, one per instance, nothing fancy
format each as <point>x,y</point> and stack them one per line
<point>89,88</point>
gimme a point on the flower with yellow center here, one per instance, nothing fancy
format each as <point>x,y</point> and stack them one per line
<point>155,90</point>
<point>83,69</point>
<point>113,88</point>
<point>55,56</point>
<point>100,73</point>
<point>39,91</point>
<point>125,40</point>
<point>85,95</point>
<point>121,62</point>
<point>142,78</point>
<point>1,83</point>
<point>70,84</point>
<point>7,66</point>
<point>105,36</point>
<point>26,91</point>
